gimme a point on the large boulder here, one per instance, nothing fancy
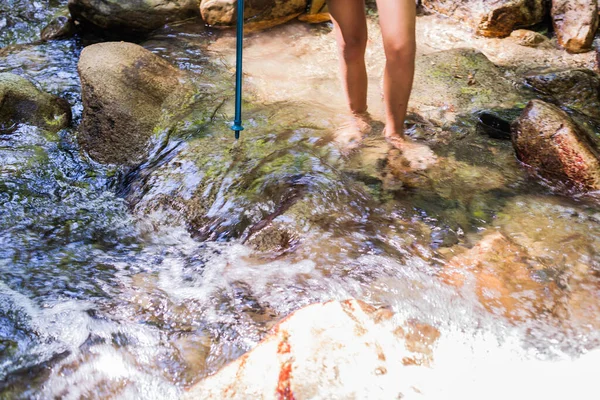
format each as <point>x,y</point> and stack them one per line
<point>575,23</point>
<point>577,89</point>
<point>547,139</point>
<point>459,81</point>
<point>320,351</point>
<point>260,14</point>
<point>130,17</point>
<point>491,18</point>
<point>125,90</point>
<point>22,102</point>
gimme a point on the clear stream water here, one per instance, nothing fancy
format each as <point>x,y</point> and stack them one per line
<point>95,304</point>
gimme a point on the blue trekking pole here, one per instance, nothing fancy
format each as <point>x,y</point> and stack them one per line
<point>237,123</point>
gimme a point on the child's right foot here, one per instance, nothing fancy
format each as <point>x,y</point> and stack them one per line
<point>350,135</point>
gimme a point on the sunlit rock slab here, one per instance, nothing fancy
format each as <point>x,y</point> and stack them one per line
<point>340,350</point>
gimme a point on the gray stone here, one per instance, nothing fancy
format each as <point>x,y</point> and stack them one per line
<point>126,90</point>
<point>22,102</point>
<point>130,17</point>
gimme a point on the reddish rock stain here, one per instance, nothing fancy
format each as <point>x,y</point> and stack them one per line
<point>284,387</point>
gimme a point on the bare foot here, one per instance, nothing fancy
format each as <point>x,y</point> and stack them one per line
<point>350,134</point>
<point>419,155</point>
<point>396,140</point>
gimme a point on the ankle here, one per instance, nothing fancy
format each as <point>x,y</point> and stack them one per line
<point>393,133</point>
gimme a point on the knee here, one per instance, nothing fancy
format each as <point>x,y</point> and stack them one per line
<point>401,52</point>
<point>353,48</point>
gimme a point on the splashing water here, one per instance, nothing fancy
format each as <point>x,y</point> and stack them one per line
<point>98,301</point>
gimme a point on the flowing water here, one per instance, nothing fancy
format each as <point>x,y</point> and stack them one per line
<point>98,300</point>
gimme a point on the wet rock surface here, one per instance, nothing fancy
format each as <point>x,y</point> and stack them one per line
<point>491,18</point>
<point>22,102</point>
<point>21,21</point>
<point>575,23</point>
<point>59,28</point>
<point>576,89</point>
<point>505,278</point>
<point>126,90</point>
<point>130,17</point>
<point>320,350</point>
<point>572,269</point>
<point>547,139</point>
<point>459,81</point>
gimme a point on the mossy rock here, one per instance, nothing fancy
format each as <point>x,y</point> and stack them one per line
<point>127,91</point>
<point>22,102</point>
<point>460,81</point>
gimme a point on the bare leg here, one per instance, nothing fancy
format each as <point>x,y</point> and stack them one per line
<point>350,24</point>
<point>397,19</point>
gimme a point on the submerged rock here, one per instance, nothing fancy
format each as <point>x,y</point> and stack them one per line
<point>59,28</point>
<point>130,17</point>
<point>504,278</point>
<point>564,238</point>
<point>260,14</point>
<point>575,23</point>
<point>578,89</point>
<point>125,91</point>
<point>459,81</point>
<point>547,139</point>
<point>22,102</point>
<point>320,351</point>
<point>491,18</point>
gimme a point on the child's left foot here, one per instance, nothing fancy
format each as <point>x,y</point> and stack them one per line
<point>350,135</point>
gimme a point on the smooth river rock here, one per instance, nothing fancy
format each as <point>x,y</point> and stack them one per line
<point>22,102</point>
<point>60,27</point>
<point>260,14</point>
<point>126,90</point>
<point>341,350</point>
<point>528,38</point>
<point>491,18</point>
<point>130,17</point>
<point>547,139</point>
<point>575,23</point>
